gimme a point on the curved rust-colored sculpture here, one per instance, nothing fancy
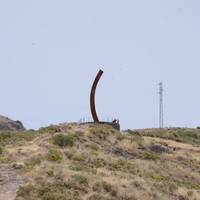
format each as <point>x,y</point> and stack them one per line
<point>92,96</point>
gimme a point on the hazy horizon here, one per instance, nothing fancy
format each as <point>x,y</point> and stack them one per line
<point>51,51</point>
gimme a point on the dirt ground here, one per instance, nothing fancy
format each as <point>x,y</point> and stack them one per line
<point>10,181</point>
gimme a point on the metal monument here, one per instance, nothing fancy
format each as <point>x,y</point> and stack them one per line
<point>92,96</point>
<point>114,123</point>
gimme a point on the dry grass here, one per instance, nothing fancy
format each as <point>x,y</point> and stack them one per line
<point>97,162</point>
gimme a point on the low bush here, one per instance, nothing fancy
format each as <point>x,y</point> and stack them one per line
<point>190,136</point>
<point>103,186</point>
<point>47,191</point>
<point>77,183</point>
<point>101,132</point>
<point>109,188</point>
<point>150,156</point>
<point>160,178</point>
<point>133,132</point>
<point>122,165</point>
<point>79,166</point>
<point>14,138</point>
<point>96,162</point>
<point>49,129</point>
<point>63,140</point>
<point>54,155</point>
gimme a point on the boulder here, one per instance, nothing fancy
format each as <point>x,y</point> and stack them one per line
<point>7,124</point>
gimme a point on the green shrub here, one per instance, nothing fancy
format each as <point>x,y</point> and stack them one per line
<point>187,136</point>
<point>122,165</point>
<point>77,183</point>
<point>59,191</point>
<point>53,196</point>
<point>183,135</point>
<point>133,132</point>
<point>160,178</point>
<point>150,156</point>
<point>109,188</point>
<point>14,138</point>
<point>101,132</point>
<point>49,129</point>
<point>96,162</point>
<point>54,155</point>
<point>78,167</point>
<point>82,167</point>
<point>63,140</point>
<point>48,191</point>
<point>6,160</point>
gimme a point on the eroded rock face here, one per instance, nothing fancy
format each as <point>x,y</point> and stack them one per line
<point>7,124</point>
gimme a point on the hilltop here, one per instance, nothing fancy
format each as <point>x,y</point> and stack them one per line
<point>7,124</point>
<point>97,162</point>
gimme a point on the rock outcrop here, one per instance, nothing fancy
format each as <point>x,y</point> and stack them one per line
<point>7,124</point>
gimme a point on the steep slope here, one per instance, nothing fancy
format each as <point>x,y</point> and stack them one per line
<point>96,162</point>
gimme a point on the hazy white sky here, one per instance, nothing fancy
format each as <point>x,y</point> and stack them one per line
<point>51,50</point>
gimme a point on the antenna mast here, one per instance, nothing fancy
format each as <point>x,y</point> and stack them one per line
<point>161,121</point>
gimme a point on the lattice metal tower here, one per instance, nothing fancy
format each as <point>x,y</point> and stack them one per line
<point>161,118</point>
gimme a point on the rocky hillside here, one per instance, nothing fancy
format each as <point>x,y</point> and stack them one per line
<point>96,162</point>
<point>7,124</point>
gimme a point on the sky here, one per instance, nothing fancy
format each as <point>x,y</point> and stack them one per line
<point>51,50</point>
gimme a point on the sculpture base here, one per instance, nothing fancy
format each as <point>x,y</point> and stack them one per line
<point>114,124</point>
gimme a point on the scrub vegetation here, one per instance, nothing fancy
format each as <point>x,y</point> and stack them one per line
<point>96,162</point>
